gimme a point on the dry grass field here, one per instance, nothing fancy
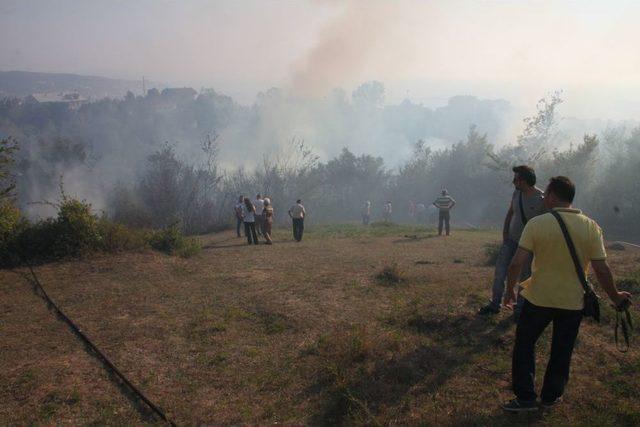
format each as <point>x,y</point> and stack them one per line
<point>369,326</point>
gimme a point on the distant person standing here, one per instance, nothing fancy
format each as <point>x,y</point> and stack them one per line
<point>444,203</point>
<point>249,218</point>
<point>259,205</point>
<point>526,203</point>
<point>387,209</point>
<point>267,220</point>
<point>238,212</point>
<point>412,209</point>
<point>366,212</point>
<point>297,214</point>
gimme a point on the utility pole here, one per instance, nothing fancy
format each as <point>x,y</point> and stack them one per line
<point>144,87</point>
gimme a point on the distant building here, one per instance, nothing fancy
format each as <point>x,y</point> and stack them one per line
<point>179,94</point>
<point>72,100</point>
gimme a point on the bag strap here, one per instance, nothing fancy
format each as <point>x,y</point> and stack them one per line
<point>523,217</point>
<point>572,250</point>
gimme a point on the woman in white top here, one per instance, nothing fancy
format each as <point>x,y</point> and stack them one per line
<point>249,218</point>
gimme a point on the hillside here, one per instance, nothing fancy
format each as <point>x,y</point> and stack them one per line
<point>23,83</point>
<point>294,333</point>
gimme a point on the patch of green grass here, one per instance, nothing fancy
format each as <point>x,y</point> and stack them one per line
<point>208,360</point>
<point>272,322</point>
<point>50,406</point>
<point>373,230</point>
<point>74,397</point>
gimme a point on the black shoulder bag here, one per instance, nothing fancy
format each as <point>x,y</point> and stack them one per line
<point>591,303</point>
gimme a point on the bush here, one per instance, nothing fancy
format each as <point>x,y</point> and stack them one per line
<point>77,232</point>
<point>172,242</point>
<point>491,251</point>
<point>76,229</point>
<point>10,222</point>
<point>390,275</point>
<point>117,237</point>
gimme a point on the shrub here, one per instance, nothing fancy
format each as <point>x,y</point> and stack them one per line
<point>172,242</point>
<point>491,251</point>
<point>117,237</point>
<point>10,222</point>
<point>76,229</point>
<point>76,232</point>
<point>390,275</point>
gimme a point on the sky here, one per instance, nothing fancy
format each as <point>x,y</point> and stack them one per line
<point>423,50</point>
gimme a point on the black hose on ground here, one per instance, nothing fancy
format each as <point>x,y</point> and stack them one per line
<point>100,355</point>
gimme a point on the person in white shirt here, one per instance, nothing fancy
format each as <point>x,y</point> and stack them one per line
<point>366,212</point>
<point>249,218</point>
<point>258,203</point>
<point>386,211</point>
<point>297,214</point>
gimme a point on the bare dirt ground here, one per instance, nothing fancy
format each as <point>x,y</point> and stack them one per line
<point>294,333</point>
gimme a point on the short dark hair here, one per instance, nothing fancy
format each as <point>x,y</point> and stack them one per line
<point>527,173</point>
<point>562,187</point>
<point>298,201</point>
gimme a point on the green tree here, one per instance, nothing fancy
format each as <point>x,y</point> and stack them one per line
<point>8,147</point>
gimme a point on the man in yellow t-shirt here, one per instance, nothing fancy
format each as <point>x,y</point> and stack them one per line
<point>553,293</point>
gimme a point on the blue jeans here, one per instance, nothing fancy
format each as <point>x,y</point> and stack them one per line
<point>507,251</point>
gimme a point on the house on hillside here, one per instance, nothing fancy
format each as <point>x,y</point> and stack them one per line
<point>71,100</point>
<point>179,95</point>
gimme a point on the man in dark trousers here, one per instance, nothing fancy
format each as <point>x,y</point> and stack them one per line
<point>554,293</point>
<point>526,203</point>
<point>297,214</point>
<point>444,203</point>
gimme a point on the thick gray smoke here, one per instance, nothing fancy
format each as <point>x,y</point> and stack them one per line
<point>343,47</point>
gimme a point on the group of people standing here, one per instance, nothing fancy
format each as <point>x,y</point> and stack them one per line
<point>257,216</point>
<point>387,210</point>
<point>444,203</point>
<point>546,249</point>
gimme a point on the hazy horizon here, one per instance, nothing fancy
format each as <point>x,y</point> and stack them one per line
<point>425,52</point>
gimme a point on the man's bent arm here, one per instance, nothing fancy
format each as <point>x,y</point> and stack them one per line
<point>605,278</point>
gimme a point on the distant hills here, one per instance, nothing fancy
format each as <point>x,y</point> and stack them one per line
<point>23,83</point>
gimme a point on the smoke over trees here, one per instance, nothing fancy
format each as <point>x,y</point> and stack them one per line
<point>180,157</point>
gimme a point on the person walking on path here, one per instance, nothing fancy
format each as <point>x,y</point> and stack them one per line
<point>366,212</point>
<point>297,214</point>
<point>526,203</point>
<point>259,205</point>
<point>249,218</point>
<point>554,293</point>
<point>267,220</point>
<point>238,212</point>
<point>444,203</point>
